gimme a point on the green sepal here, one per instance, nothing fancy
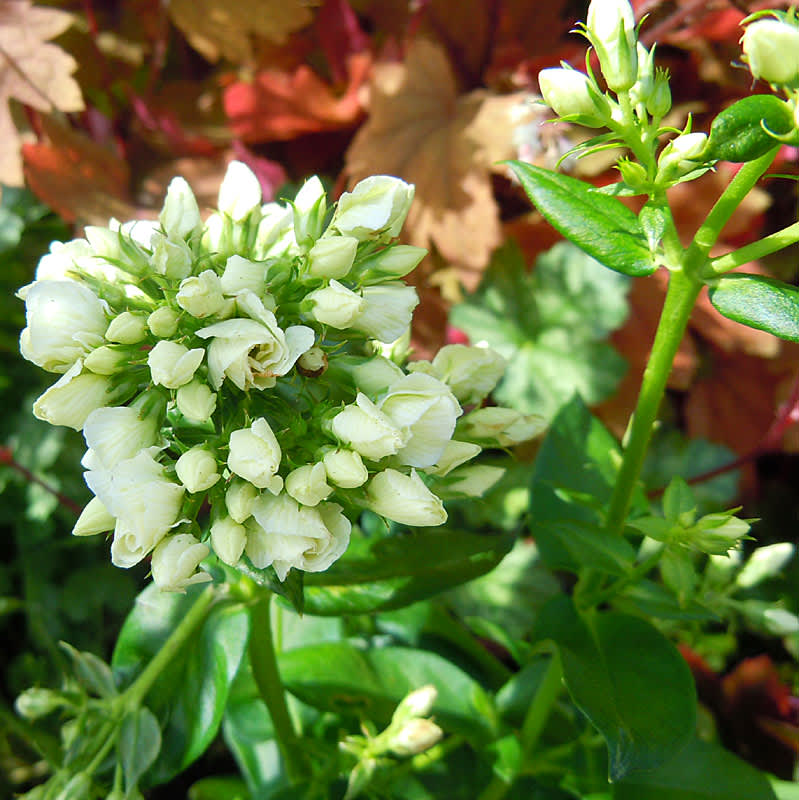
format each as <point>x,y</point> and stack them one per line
<point>763,303</point>
<point>750,128</point>
<point>602,226</point>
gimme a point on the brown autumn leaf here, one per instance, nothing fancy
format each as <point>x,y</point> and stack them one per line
<point>420,129</point>
<point>33,71</point>
<point>280,106</point>
<point>78,178</point>
<point>218,28</point>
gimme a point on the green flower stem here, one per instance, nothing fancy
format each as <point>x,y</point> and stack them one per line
<point>534,722</point>
<point>680,299</point>
<point>267,678</point>
<point>708,233</point>
<point>752,252</point>
<point>132,697</point>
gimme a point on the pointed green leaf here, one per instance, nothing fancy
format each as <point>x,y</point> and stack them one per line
<point>600,225</point>
<point>762,303</point>
<point>139,743</point>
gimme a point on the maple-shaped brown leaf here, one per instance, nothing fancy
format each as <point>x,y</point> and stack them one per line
<point>219,28</point>
<point>33,71</point>
<point>420,129</point>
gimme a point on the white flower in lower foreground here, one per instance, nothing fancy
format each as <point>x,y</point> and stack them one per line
<point>65,320</point>
<point>253,352</point>
<point>283,535</point>
<point>255,456</point>
<point>73,397</point>
<point>404,498</point>
<point>175,562</point>
<point>228,538</point>
<point>375,208</point>
<point>425,410</point>
<point>196,469</point>
<point>387,311</point>
<point>366,429</point>
<point>115,434</point>
<point>145,503</point>
<point>172,365</point>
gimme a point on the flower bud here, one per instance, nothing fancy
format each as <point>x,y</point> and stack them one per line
<point>172,365</point>
<point>610,26</point>
<point>106,360</point>
<point>455,453</point>
<point>771,49</point>
<point>240,192</point>
<point>275,232</point>
<point>127,328</point>
<point>73,397</point>
<point>201,295</point>
<point>228,539</point>
<point>404,498</point>
<point>416,736</point>
<point>308,484</point>
<point>394,261</point>
<point>470,372</point>
<point>171,258</point>
<point>255,456</point>
<point>418,703</point>
<point>677,156</point>
<point>196,401</point>
<point>658,103</point>
<point>175,561</point>
<point>386,311</point>
<point>196,469</point>
<point>633,173</point>
<point>365,428</point>
<point>765,562</point>
<point>332,257</point>
<point>94,518</point>
<point>180,216</point>
<point>310,207</point>
<point>474,480</point>
<point>36,702</point>
<point>375,209</point>
<point>505,426</point>
<point>568,93</point>
<point>335,305</point>
<point>163,322</point>
<point>312,363</point>
<point>239,500</point>
<point>345,468</point>
<point>241,274</point>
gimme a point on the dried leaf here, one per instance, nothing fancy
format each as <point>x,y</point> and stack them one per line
<point>279,106</point>
<point>32,71</point>
<point>219,28</point>
<point>421,130</point>
<point>76,177</point>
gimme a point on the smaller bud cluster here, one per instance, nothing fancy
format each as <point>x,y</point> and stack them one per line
<point>232,364</point>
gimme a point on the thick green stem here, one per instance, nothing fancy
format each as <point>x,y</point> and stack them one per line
<point>752,252</point>
<point>267,678</point>
<point>135,693</point>
<point>533,725</point>
<point>680,299</point>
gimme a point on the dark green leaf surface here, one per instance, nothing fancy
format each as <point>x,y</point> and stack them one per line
<point>740,132</point>
<point>629,681</point>
<point>379,574</point>
<point>139,743</point>
<point>700,771</point>
<point>602,226</point>
<point>762,303</point>
<point>340,677</point>
<point>190,696</point>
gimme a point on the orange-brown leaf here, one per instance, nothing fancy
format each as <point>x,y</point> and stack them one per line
<point>32,71</point>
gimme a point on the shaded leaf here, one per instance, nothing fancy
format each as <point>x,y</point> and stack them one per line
<point>139,743</point>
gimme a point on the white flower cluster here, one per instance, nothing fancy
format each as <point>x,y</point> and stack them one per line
<point>229,367</point>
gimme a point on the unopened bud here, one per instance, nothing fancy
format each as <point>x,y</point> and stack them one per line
<point>332,257</point>
<point>416,736</point>
<point>611,28</point>
<point>163,322</point>
<point>105,360</point>
<point>771,49</point>
<point>228,539</point>
<point>127,328</point>
<point>568,93</point>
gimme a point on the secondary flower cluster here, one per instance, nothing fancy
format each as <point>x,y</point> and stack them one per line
<point>234,365</point>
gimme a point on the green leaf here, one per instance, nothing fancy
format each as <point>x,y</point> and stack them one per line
<point>370,683</point>
<point>189,697</point>
<point>139,743</point>
<point>219,788</point>
<point>741,132</point>
<point>585,545</point>
<point>600,225</point>
<point>628,679</point>
<point>92,672</point>
<point>379,574</point>
<point>647,597</point>
<point>700,771</point>
<point>550,323</point>
<point>762,303</point>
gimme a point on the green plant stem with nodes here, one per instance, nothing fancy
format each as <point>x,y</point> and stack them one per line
<point>267,678</point>
<point>684,287</point>
<point>534,722</point>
